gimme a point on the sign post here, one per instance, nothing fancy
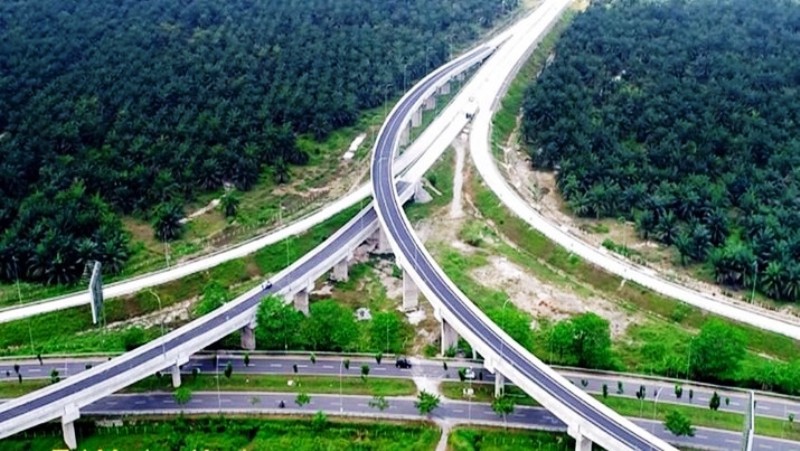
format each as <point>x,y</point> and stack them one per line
<point>96,292</point>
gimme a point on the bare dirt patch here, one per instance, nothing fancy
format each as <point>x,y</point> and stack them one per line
<point>545,300</point>
<point>527,292</point>
<point>176,313</point>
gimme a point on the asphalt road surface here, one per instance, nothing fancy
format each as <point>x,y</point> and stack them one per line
<point>766,406</point>
<point>399,408</point>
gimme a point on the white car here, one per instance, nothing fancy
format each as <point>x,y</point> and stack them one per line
<point>266,285</point>
<point>469,374</point>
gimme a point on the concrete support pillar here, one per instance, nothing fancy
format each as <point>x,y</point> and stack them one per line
<point>382,243</point>
<point>301,300</point>
<point>449,337</point>
<point>176,375</point>
<point>430,103</point>
<point>582,443</point>
<point>420,195</point>
<point>404,135</point>
<point>71,413</point>
<point>445,89</point>
<point>249,335</point>
<point>339,273</point>
<point>416,118</point>
<point>410,293</point>
<point>499,384</point>
<point>69,434</point>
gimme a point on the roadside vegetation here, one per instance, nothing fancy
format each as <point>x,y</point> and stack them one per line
<point>184,432</point>
<point>351,383</point>
<point>95,144</point>
<point>681,117</point>
<point>71,330</point>
<point>700,415</point>
<point>481,438</point>
<point>722,351</point>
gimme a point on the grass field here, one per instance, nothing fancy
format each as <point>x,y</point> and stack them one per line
<point>236,434</point>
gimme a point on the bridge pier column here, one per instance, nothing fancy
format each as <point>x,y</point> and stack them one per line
<point>416,118</point>
<point>582,443</point>
<point>499,384</point>
<point>383,246</point>
<point>430,102</point>
<point>445,89</point>
<point>410,293</point>
<point>339,273</point>
<point>301,299</point>
<point>249,336</point>
<point>71,413</point>
<point>420,195</point>
<point>176,375</point>
<point>449,337</point>
<point>404,135</point>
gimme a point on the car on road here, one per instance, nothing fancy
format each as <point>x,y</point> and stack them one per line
<point>469,373</point>
<point>266,285</point>
<point>402,362</point>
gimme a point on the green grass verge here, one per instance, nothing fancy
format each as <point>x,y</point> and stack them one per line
<point>351,385</point>
<point>12,388</point>
<point>632,296</point>
<point>492,439</point>
<point>699,416</point>
<point>441,179</point>
<point>373,386</point>
<point>236,433</point>
<point>71,330</point>
<point>504,121</point>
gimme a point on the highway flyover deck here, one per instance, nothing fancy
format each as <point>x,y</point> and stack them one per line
<point>585,415</point>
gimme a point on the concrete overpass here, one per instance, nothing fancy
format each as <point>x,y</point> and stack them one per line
<point>587,419</point>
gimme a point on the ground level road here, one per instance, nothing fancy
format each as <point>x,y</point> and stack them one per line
<point>766,406</point>
<point>398,408</point>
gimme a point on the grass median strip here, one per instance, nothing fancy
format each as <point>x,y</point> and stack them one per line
<point>699,415</point>
<point>350,385</point>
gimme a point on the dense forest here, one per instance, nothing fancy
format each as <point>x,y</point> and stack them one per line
<point>134,106</point>
<point>685,118</point>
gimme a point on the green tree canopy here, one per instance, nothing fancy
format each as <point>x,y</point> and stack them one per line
<point>717,350</point>
<point>679,424</point>
<point>330,326</point>
<point>684,117</point>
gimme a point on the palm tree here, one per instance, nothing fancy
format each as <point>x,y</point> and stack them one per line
<point>168,221</point>
<point>282,173</point>
<point>772,279</point>
<point>230,203</point>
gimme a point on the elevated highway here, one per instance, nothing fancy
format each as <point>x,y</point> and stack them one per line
<point>65,399</point>
<point>588,420</point>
